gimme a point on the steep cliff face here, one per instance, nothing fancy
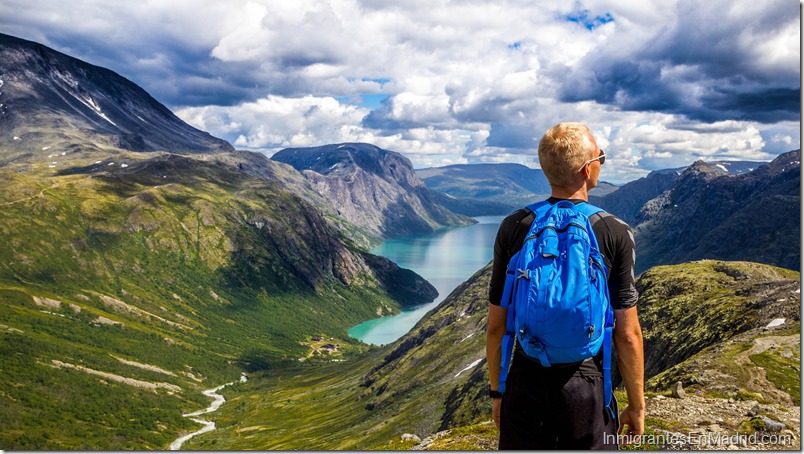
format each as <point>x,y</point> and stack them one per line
<point>753,216</point>
<point>50,101</point>
<point>372,188</point>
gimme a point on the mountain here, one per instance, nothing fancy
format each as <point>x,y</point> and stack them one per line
<point>627,201</point>
<point>470,207</point>
<point>485,181</point>
<point>144,261</point>
<point>51,101</point>
<point>705,214</point>
<point>508,185</point>
<point>725,167</point>
<point>630,197</point>
<point>697,319</point>
<point>372,188</point>
<point>743,297</point>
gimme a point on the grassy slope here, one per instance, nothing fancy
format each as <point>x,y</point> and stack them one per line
<point>411,386</point>
<point>205,272</point>
<point>686,309</point>
<point>405,387</point>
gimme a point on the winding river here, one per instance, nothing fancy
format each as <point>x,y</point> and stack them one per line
<point>209,426</point>
<point>446,258</point>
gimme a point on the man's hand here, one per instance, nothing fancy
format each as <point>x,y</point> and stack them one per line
<point>495,410</point>
<point>634,419</point>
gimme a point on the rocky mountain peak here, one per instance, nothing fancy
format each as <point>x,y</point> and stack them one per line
<point>699,168</point>
<point>374,189</point>
<point>785,162</point>
<point>341,160</point>
<point>49,101</point>
<point>728,217</point>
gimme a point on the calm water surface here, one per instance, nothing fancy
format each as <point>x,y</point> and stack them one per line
<point>446,258</point>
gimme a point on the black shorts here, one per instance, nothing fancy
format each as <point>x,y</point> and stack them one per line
<point>555,408</point>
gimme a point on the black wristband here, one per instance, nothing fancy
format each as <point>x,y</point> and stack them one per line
<point>494,394</point>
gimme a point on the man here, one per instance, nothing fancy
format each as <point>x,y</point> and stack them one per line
<point>562,407</point>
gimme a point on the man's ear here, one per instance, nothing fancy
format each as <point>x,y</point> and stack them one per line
<point>585,172</point>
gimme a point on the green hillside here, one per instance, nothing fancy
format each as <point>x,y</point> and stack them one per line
<point>125,290</point>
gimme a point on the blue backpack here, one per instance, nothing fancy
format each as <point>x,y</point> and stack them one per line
<point>556,292</point>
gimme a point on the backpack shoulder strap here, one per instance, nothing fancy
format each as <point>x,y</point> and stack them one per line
<point>539,208</point>
<point>588,209</point>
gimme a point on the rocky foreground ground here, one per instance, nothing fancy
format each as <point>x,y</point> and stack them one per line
<point>689,423</point>
<point>700,423</point>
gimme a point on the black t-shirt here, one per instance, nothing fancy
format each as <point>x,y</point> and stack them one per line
<point>614,236</point>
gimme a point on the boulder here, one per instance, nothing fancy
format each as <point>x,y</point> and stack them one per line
<point>414,437</point>
<point>772,425</point>
<point>678,390</point>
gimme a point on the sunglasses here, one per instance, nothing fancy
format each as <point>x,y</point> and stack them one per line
<point>601,157</point>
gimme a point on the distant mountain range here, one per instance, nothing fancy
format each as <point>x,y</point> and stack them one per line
<point>705,214</point>
<point>491,189</point>
<point>372,188</point>
<point>495,189</point>
<point>727,210</point>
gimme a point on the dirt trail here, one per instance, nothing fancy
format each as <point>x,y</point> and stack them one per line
<point>759,379</point>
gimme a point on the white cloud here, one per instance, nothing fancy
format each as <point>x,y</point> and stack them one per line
<point>274,122</point>
<point>660,83</point>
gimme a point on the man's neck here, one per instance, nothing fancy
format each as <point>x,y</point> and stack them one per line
<point>564,193</point>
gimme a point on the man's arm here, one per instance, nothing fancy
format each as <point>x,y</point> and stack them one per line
<point>495,329</point>
<point>631,359</point>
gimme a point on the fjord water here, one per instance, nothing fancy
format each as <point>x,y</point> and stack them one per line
<point>446,258</point>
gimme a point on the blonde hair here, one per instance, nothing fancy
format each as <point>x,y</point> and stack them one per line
<point>563,150</point>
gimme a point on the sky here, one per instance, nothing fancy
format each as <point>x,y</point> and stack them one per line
<point>661,84</point>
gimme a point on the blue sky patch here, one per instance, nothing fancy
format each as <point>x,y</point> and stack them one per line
<point>367,100</point>
<point>590,23</point>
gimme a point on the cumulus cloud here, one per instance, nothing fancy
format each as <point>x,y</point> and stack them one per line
<point>713,61</point>
<point>661,83</point>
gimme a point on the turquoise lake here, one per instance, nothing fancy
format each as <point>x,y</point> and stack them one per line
<point>446,258</point>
